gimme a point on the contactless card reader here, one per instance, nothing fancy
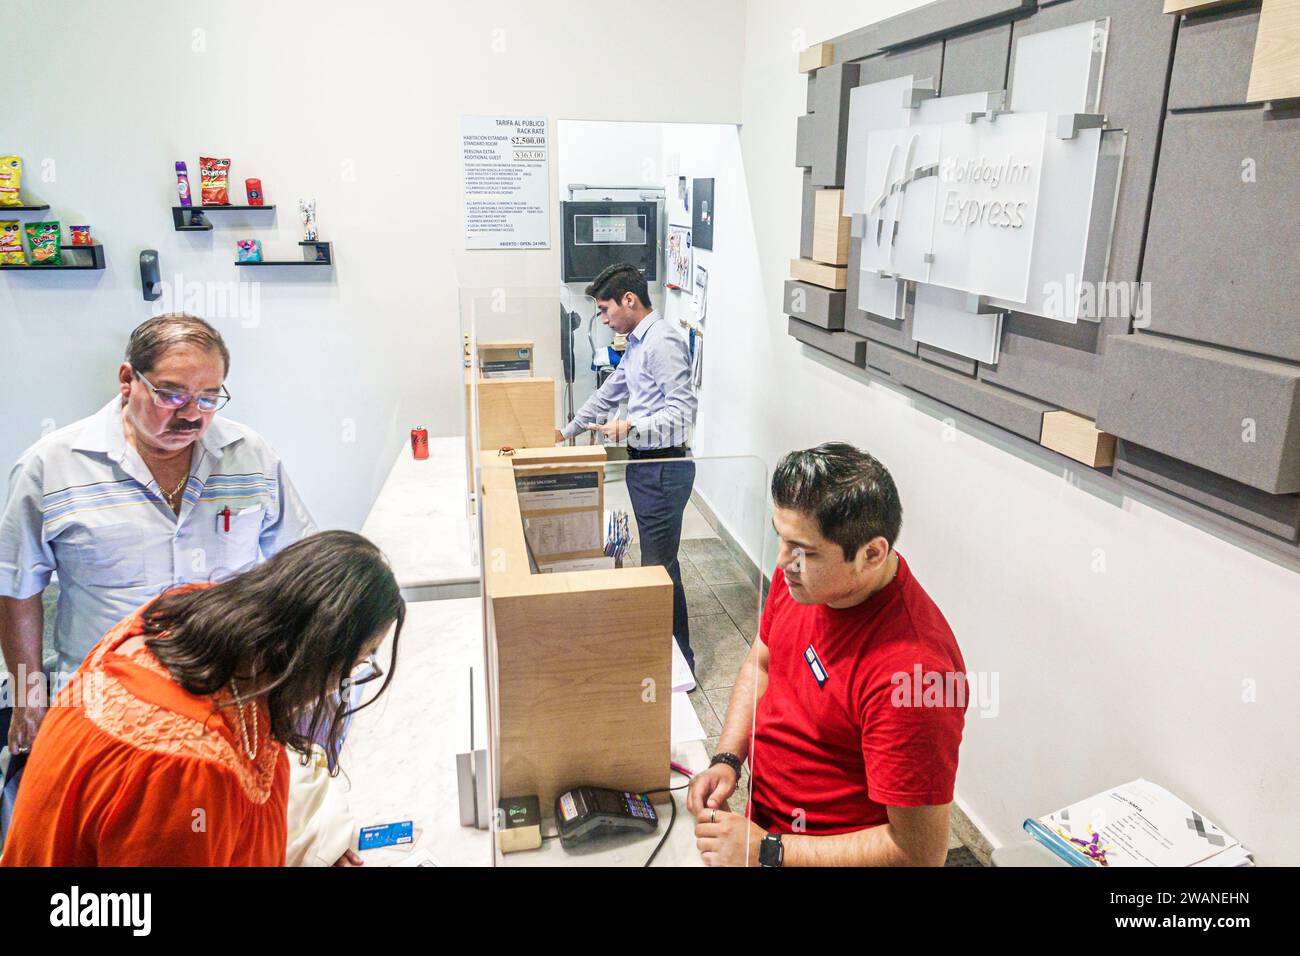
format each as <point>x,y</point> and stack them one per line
<point>587,812</point>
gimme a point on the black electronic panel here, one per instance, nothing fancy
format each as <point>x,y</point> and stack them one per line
<point>599,234</point>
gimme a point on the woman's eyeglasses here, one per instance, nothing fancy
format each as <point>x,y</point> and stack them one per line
<point>175,399</point>
<point>365,672</point>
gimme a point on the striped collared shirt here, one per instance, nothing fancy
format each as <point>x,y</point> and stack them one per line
<point>83,503</point>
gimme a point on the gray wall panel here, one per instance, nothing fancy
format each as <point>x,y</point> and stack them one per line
<point>1222,253</point>
<point>1015,413</point>
<point>821,307</point>
<point>976,62</point>
<point>922,62</point>
<point>958,363</point>
<point>805,149</point>
<point>843,345</point>
<point>1275,514</point>
<point>830,122</point>
<point>1193,402</point>
<point>855,45</point>
<point>1212,60</point>
<point>944,16</point>
<point>1055,361</point>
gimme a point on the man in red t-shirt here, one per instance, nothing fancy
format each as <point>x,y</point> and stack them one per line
<point>859,686</point>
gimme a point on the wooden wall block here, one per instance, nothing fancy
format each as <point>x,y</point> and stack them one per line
<point>1275,70</point>
<point>818,273</point>
<point>1077,437</point>
<point>830,228</point>
<point>1194,6</point>
<point>815,57</point>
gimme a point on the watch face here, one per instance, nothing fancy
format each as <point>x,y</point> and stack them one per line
<point>771,853</point>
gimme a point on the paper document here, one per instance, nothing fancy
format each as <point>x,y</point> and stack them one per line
<point>686,724</point>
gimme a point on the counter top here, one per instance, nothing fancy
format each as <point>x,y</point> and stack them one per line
<point>400,755</point>
<point>420,520</point>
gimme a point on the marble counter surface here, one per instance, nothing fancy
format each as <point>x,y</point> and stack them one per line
<point>420,521</point>
<point>400,755</point>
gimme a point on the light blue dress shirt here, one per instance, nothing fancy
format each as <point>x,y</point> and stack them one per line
<point>654,377</point>
<point>83,503</point>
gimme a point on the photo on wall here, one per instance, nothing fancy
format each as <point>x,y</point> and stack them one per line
<point>681,258</point>
<point>702,216</point>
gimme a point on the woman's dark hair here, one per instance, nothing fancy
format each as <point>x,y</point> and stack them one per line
<point>616,281</point>
<point>851,495</point>
<point>299,623</point>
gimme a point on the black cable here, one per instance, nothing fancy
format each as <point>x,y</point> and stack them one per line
<point>671,819</point>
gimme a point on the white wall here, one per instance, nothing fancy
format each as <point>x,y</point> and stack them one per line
<point>356,105</point>
<point>1122,638</point>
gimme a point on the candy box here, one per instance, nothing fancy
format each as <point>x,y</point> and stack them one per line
<point>253,188</point>
<point>250,250</point>
<point>80,235</point>
<point>43,238</point>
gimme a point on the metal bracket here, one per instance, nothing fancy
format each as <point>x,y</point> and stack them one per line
<point>918,94</point>
<point>1069,124</point>
<point>979,305</point>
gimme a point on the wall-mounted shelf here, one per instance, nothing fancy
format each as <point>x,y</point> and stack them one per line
<point>313,254</point>
<point>25,208</point>
<point>77,261</point>
<point>183,223</point>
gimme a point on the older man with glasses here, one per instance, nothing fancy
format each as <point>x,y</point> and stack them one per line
<point>152,491</point>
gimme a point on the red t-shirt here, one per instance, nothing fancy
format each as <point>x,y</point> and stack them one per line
<point>881,727</point>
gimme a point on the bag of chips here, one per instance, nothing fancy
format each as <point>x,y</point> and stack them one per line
<point>214,176</point>
<point>43,238</point>
<point>11,243</point>
<point>11,173</point>
<point>250,250</point>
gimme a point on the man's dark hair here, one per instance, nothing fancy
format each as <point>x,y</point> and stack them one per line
<point>153,337</point>
<point>616,281</point>
<point>299,623</point>
<point>851,495</point>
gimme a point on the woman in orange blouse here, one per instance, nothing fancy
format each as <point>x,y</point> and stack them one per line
<point>167,748</point>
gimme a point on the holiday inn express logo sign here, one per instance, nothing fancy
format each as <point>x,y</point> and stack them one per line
<point>998,196</point>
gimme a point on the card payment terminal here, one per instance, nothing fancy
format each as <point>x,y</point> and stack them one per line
<point>587,812</point>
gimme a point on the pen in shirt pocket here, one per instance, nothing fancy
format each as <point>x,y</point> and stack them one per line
<point>225,514</point>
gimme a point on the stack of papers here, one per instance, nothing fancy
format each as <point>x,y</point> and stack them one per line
<point>1137,824</point>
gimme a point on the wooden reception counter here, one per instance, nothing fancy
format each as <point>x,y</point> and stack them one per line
<point>583,658</point>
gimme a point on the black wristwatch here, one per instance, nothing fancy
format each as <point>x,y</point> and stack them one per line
<point>770,851</point>
<point>731,760</point>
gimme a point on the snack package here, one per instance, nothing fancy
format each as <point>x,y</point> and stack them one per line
<point>11,173</point>
<point>11,244</point>
<point>253,187</point>
<point>214,174</point>
<point>250,250</point>
<point>43,238</point>
<point>80,235</point>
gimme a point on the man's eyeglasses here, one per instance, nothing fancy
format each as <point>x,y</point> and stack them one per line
<point>176,399</point>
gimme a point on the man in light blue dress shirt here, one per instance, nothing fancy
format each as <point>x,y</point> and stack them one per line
<point>152,491</point>
<point>654,378</point>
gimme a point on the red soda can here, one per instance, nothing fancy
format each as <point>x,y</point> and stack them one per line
<point>420,442</point>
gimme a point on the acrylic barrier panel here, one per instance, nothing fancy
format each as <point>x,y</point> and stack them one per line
<point>621,602</point>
